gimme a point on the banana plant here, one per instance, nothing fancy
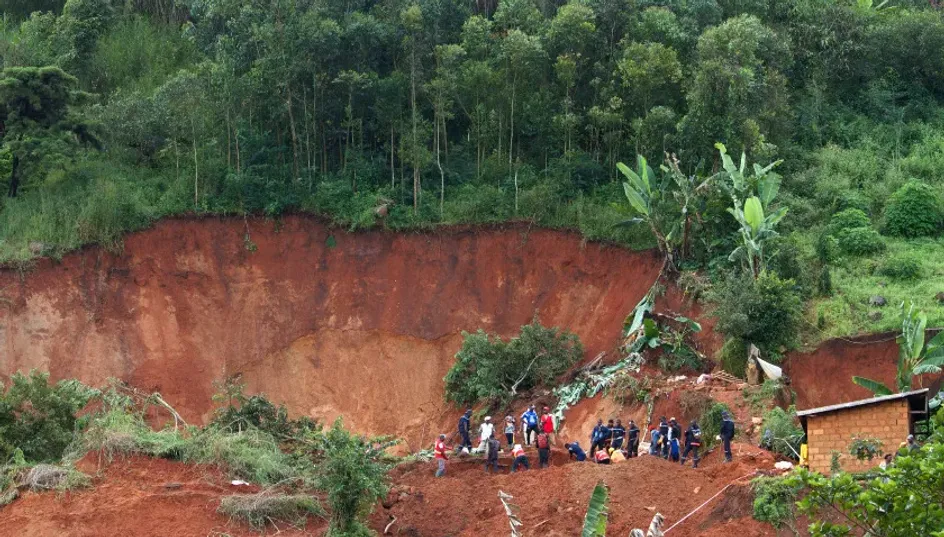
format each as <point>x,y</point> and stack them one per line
<point>641,196</point>
<point>914,357</point>
<point>757,222</point>
<point>598,513</point>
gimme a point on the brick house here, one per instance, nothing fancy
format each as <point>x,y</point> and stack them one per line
<point>890,419</point>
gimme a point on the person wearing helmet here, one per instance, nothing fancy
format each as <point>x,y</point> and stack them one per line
<point>529,424</point>
<point>547,424</point>
<point>441,457</point>
<point>664,437</point>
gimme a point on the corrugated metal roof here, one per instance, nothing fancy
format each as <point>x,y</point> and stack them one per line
<point>861,402</point>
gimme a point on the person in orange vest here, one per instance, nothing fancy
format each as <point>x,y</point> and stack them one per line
<point>520,459</point>
<point>547,423</point>
<point>601,456</point>
<point>441,457</point>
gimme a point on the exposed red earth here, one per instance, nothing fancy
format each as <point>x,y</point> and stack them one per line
<point>365,325</point>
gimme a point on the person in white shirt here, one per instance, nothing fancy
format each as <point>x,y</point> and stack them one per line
<point>485,432</point>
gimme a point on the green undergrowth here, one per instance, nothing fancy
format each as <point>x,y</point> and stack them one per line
<point>849,312</point>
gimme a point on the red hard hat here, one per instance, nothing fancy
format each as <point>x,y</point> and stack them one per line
<point>546,408</point>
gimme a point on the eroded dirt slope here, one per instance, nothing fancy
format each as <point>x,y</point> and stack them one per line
<point>362,325</point>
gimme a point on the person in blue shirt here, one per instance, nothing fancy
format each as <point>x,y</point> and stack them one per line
<point>576,452</point>
<point>654,448</point>
<point>464,426</point>
<point>529,422</point>
<point>618,432</point>
<point>599,437</point>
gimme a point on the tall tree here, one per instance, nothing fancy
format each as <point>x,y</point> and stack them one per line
<point>38,124</point>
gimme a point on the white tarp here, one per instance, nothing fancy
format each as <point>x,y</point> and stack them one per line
<point>772,371</point>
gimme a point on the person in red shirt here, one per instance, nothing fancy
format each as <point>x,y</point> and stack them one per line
<point>547,424</point>
<point>440,454</point>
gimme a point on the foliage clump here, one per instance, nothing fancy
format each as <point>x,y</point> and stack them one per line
<point>860,241</point>
<point>786,435</point>
<point>848,219</point>
<point>766,311</point>
<point>353,475</point>
<point>710,422</point>
<point>900,267</point>
<point>914,210</point>
<point>39,418</point>
<point>270,507</point>
<point>775,500</point>
<point>490,369</point>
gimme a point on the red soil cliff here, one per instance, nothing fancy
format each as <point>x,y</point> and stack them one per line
<point>331,323</point>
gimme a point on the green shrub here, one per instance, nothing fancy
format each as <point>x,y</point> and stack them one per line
<point>902,267</point>
<point>766,311</point>
<point>775,500</point>
<point>238,412</point>
<point>39,418</point>
<point>914,211</point>
<point>710,423</point>
<point>353,477</point>
<point>865,449</point>
<point>486,367</point>
<point>270,508</point>
<point>733,356</point>
<point>252,454</point>
<point>848,219</point>
<point>785,431</point>
<point>860,241</point>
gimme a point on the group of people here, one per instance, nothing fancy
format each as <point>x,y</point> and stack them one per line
<point>535,429</point>
<point>609,443</point>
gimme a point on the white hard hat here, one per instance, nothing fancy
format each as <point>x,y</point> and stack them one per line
<point>488,418</point>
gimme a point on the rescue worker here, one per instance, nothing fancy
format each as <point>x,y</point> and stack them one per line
<point>441,457</point>
<point>655,442</point>
<point>595,436</point>
<point>493,446</point>
<point>616,456</point>
<point>465,425</point>
<point>486,431</point>
<point>543,442</point>
<point>727,433</point>
<point>617,435</point>
<point>574,451</point>
<point>633,439</point>
<point>529,424</point>
<point>603,439</point>
<point>664,437</point>
<point>510,430</point>
<point>675,432</point>
<point>547,424</point>
<point>520,459</point>
<point>692,443</point>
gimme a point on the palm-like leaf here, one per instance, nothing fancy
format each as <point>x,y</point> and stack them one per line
<point>874,386</point>
<point>753,213</point>
<point>636,200</point>
<point>594,523</point>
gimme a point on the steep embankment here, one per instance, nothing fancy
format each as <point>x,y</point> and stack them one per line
<point>331,323</point>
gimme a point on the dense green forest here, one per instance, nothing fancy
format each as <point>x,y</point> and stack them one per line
<point>413,113</point>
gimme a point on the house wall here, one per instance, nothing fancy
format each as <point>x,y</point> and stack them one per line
<point>888,422</point>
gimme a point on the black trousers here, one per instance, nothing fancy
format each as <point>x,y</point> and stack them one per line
<point>727,449</point>
<point>510,437</point>
<point>688,449</point>
<point>634,447</point>
<point>544,457</point>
